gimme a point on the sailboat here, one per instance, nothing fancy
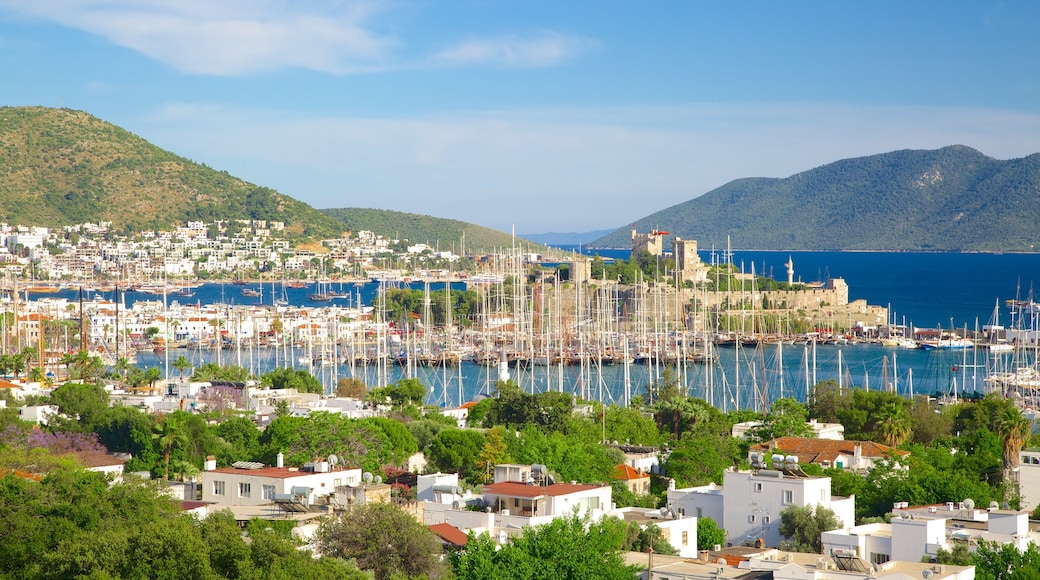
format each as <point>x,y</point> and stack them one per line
<point>996,342</point>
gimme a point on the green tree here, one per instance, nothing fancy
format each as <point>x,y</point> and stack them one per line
<point>1013,429</point>
<point>995,562</point>
<point>288,378</point>
<point>169,433</point>
<point>895,426</point>
<point>802,527</point>
<point>351,387</point>
<point>786,418</point>
<point>456,451</point>
<point>568,548</point>
<point>241,439</point>
<point>181,364</point>
<point>709,534</point>
<point>491,454</point>
<point>701,459</point>
<point>84,405</point>
<point>381,538</point>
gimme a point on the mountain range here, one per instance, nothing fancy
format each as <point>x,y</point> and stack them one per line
<point>949,199</point>
<point>60,167</point>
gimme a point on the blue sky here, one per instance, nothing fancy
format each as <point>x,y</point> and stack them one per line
<point>543,116</point>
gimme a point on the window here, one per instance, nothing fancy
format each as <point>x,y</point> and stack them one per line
<point>700,513</point>
<point>244,489</point>
<point>751,519</point>
<point>758,486</point>
<point>765,519</point>
<point>685,537</point>
<point>516,502</point>
<point>878,559</point>
<point>218,488</point>
<point>787,497</point>
<point>268,492</point>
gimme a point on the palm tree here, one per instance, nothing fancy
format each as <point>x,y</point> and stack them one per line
<point>1013,428</point>
<point>895,425</point>
<point>181,364</point>
<point>169,433</point>
<point>122,365</point>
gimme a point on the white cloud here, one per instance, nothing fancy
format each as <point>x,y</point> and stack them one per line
<point>543,50</point>
<point>560,170</point>
<point>235,37</point>
<point>229,37</point>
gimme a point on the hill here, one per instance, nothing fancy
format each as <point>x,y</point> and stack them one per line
<point>60,167</point>
<point>950,199</point>
<point>445,234</point>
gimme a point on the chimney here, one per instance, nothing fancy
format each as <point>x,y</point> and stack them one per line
<point>281,460</point>
<point>210,464</point>
<point>857,455</point>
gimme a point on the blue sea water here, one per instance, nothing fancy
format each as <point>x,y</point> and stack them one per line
<point>926,289</point>
<point>922,288</point>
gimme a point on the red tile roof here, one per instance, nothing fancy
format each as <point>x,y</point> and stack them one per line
<point>626,472</point>
<point>450,534</point>
<point>811,450</point>
<point>272,472</point>
<point>513,489</point>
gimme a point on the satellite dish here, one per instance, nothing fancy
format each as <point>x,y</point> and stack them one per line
<point>379,479</point>
<point>455,505</point>
<point>333,460</point>
<point>367,477</point>
<point>969,504</point>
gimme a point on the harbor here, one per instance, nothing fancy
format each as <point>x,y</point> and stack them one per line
<point>612,353</point>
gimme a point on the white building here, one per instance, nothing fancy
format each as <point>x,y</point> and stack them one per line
<point>681,533</point>
<point>918,532</point>
<point>522,495</point>
<point>254,484</point>
<point>1029,477</point>
<point>748,505</point>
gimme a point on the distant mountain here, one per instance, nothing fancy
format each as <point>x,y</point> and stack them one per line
<point>566,239</point>
<point>950,199</point>
<point>60,167</point>
<point>445,234</point>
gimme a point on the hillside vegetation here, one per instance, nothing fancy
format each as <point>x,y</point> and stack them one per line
<point>438,233</point>
<point>950,199</point>
<point>60,167</point>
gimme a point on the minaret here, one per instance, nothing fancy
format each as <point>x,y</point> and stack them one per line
<point>790,270</point>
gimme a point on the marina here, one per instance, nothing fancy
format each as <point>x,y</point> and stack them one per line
<point>333,330</point>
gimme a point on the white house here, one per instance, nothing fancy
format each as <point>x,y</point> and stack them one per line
<point>681,533</point>
<point>255,484</point>
<point>750,502</point>
<point>522,495</point>
<point>1029,477</point>
<point>918,532</point>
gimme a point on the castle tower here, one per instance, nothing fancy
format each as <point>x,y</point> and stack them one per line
<point>651,242</point>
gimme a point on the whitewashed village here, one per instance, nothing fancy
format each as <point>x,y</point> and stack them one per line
<point>746,505</point>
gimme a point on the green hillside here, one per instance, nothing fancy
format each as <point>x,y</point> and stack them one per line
<point>950,199</point>
<point>441,233</point>
<point>61,167</point>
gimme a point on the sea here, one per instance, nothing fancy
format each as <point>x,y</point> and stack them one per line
<point>947,290</point>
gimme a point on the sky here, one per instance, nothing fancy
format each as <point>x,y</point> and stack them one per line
<point>526,115</point>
